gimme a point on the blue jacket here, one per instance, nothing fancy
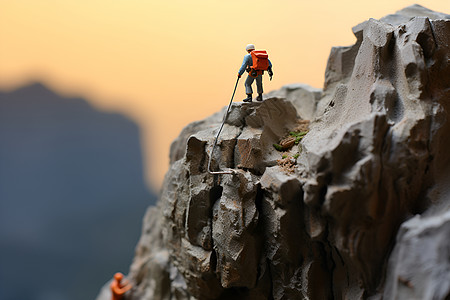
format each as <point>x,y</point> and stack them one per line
<point>248,62</point>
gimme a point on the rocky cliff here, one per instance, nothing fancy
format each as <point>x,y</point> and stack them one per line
<point>352,206</point>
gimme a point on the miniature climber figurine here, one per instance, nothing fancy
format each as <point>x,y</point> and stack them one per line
<point>119,288</point>
<point>255,63</point>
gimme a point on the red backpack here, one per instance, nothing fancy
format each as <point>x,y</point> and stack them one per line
<point>260,60</point>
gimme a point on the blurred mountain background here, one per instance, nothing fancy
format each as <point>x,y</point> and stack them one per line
<point>72,195</point>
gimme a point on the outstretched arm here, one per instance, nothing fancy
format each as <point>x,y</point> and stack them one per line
<point>245,63</point>
<point>121,290</point>
<point>126,288</point>
<point>125,282</point>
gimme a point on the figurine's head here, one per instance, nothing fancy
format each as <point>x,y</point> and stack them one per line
<point>118,276</point>
<point>250,47</point>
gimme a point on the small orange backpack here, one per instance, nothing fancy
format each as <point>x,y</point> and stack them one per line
<point>260,60</point>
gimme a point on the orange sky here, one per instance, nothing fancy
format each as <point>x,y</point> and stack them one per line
<point>168,63</point>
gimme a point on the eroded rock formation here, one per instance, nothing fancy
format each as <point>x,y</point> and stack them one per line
<point>376,159</point>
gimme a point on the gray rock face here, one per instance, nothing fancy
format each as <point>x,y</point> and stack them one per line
<point>302,96</point>
<point>376,155</point>
<point>211,224</point>
<point>419,266</point>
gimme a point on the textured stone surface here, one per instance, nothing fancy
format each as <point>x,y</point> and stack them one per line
<point>419,266</point>
<point>211,223</point>
<point>376,156</point>
<point>302,96</point>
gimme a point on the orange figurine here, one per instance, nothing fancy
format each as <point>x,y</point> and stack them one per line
<point>119,288</point>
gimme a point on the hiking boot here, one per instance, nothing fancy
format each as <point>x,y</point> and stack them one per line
<point>248,99</point>
<point>259,98</point>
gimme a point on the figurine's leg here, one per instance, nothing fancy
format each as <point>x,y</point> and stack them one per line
<point>248,85</point>
<point>259,87</point>
<point>248,88</point>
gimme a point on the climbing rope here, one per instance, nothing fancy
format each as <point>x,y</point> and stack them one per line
<point>217,137</point>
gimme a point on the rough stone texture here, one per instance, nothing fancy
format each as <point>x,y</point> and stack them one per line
<point>375,160</point>
<point>302,96</point>
<point>419,266</point>
<point>211,224</point>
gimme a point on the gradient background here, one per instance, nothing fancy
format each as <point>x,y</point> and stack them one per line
<point>167,63</point>
<point>159,64</point>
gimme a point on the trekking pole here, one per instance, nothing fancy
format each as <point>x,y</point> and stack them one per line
<point>217,136</point>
